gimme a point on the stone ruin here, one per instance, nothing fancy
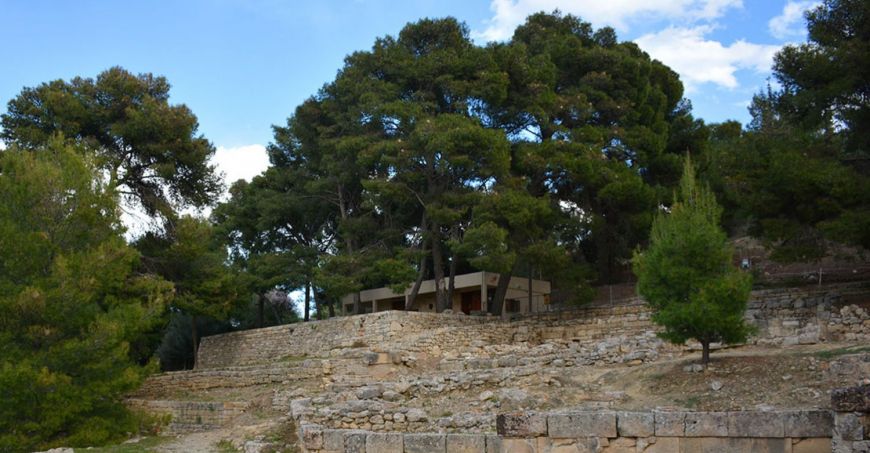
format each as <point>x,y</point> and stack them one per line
<point>422,382</point>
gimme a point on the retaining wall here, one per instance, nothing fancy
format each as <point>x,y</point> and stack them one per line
<point>783,317</point>
<point>602,431</point>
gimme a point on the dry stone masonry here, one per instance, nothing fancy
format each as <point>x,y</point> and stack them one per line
<point>389,381</point>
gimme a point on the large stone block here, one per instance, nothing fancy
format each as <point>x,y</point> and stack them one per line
<point>670,424</point>
<point>732,444</point>
<point>333,440</point>
<point>849,426</point>
<point>466,443</point>
<point>493,444</point>
<point>756,424</point>
<point>354,442</point>
<point>582,424</point>
<point>808,423</point>
<point>521,424</point>
<point>706,424</point>
<point>635,424</point>
<point>583,445</point>
<point>851,399</point>
<point>312,437</point>
<point>664,445</point>
<point>425,443</point>
<point>814,445</point>
<point>385,442</point>
<point>516,446</point>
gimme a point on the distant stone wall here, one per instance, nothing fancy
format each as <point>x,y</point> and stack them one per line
<point>190,416</point>
<point>612,333</point>
<point>316,338</point>
<point>602,431</point>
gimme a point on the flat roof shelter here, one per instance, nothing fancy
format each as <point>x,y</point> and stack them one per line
<point>472,294</point>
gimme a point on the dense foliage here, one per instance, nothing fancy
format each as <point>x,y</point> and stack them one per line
<point>799,175</point>
<point>429,156</point>
<point>71,302</point>
<point>687,275</point>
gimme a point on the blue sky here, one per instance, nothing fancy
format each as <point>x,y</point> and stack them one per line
<point>244,65</point>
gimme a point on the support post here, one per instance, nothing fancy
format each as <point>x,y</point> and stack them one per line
<point>484,305</point>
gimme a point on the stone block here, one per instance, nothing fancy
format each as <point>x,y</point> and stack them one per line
<point>851,399</point>
<point>354,442</point>
<point>706,424</point>
<point>385,442</point>
<point>664,445</point>
<point>756,424</point>
<point>521,424</point>
<point>466,443</point>
<point>814,445</point>
<point>333,440</point>
<point>516,446</point>
<point>848,426</point>
<point>493,444</point>
<point>312,437</point>
<point>583,445</point>
<point>582,424</point>
<point>733,444</point>
<point>635,424</point>
<point>425,443</point>
<point>670,424</point>
<point>808,423</point>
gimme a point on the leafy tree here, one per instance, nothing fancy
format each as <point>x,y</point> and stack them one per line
<point>71,303</point>
<point>193,258</point>
<point>149,148</point>
<point>687,276</point>
<point>797,176</point>
<point>826,81</point>
<point>596,125</point>
<point>277,229</point>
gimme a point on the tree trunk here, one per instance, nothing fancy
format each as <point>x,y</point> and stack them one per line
<point>438,268</point>
<point>705,352</point>
<point>307,301</point>
<point>193,337</point>
<point>260,302</point>
<point>342,208</point>
<point>421,275</point>
<point>497,306</point>
<point>331,306</point>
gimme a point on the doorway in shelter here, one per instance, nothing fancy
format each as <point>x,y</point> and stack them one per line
<point>471,302</point>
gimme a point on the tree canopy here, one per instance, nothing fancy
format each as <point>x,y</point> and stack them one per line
<point>149,148</point>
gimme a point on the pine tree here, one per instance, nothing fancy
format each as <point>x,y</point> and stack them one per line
<point>687,276</point>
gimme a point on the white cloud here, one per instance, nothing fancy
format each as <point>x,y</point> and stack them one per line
<point>699,60</point>
<point>508,14</point>
<point>241,162</point>
<point>790,23</point>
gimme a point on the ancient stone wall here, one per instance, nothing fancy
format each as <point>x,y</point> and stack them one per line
<point>189,416</point>
<point>376,330</point>
<point>602,431</point>
<point>616,333</point>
